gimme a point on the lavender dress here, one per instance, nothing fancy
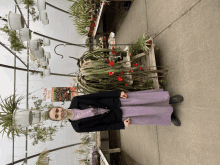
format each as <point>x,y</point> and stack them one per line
<point>147,107</point>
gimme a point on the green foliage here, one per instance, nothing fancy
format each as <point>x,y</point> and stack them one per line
<point>8,106</point>
<point>139,45</point>
<point>87,42</point>
<point>30,4</point>
<point>41,157</point>
<point>16,43</point>
<point>79,10</point>
<point>94,75</point>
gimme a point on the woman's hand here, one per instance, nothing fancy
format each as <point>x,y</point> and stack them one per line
<point>124,95</point>
<point>127,122</point>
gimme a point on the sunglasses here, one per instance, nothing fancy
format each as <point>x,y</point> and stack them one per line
<point>56,116</point>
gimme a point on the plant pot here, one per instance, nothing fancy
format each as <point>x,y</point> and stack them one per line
<point>42,59</point>
<point>15,21</point>
<point>36,116</point>
<point>43,15</point>
<point>46,72</point>
<point>41,5</point>
<point>47,54</point>
<point>39,53</point>
<point>45,22</point>
<point>22,118</point>
<point>45,63</point>
<point>34,45</point>
<point>46,41</point>
<point>25,34</point>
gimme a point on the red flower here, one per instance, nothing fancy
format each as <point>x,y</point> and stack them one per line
<point>130,54</point>
<point>110,73</point>
<point>135,64</point>
<point>106,60</point>
<point>140,67</point>
<point>104,3</point>
<point>148,68</point>
<point>113,48</point>
<point>126,84</point>
<point>150,42</point>
<point>119,46</point>
<point>119,78</point>
<point>112,52</point>
<point>116,53</point>
<point>111,63</point>
<point>122,73</point>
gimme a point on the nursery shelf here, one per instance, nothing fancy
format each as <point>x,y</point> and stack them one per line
<point>97,21</point>
<point>150,61</point>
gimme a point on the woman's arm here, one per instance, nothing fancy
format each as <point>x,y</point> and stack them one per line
<point>103,127</point>
<point>101,95</point>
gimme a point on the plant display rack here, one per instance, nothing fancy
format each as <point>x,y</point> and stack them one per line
<point>150,56</point>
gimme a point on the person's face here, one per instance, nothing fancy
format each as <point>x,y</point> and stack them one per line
<point>58,114</point>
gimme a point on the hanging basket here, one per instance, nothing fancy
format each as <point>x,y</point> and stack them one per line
<point>42,59</point>
<point>41,5</point>
<point>45,63</point>
<point>36,115</point>
<point>25,34</point>
<point>43,15</point>
<point>15,21</point>
<point>39,53</point>
<point>46,42</point>
<point>47,54</point>
<point>46,72</point>
<point>34,45</point>
<point>22,118</point>
<point>45,22</point>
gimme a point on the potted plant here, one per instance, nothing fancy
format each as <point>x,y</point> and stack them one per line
<point>15,21</point>
<point>30,4</point>
<point>45,63</point>
<point>34,45</point>
<point>46,72</point>
<point>43,15</point>
<point>46,42</point>
<point>8,106</point>
<point>39,53</point>
<point>41,5</point>
<point>45,22</point>
<point>42,59</point>
<point>16,43</point>
<point>25,34</point>
<point>47,54</point>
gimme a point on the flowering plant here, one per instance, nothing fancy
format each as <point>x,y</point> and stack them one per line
<point>98,74</point>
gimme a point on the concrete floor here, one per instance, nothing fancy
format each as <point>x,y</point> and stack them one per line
<point>188,35</point>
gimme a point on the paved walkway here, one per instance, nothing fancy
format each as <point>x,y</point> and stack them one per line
<point>188,35</point>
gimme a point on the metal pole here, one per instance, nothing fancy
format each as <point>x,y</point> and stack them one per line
<point>57,8</point>
<point>12,53</point>
<point>23,69</point>
<point>13,140</point>
<point>27,105</point>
